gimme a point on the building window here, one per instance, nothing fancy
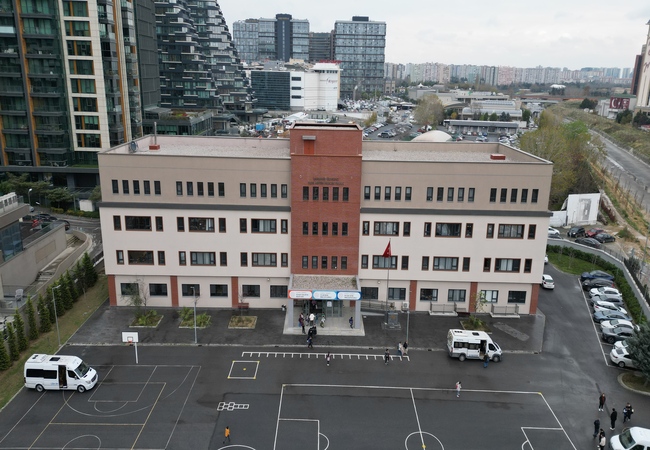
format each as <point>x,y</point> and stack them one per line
<point>305,262</point>
<point>461,194</point>
<point>405,263</point>
<point>335,263</point>
<point>222,189</point>
<point>470,194</point>
<point>116,188</point>
<point>161,258</point>
<point>222,224</point>
<point>387,193</point>
<point>305,193</point>
<point>430,194</point>
<point>253,190</point>
<point>396,294</point>
<point>243,227</point>
<point>263,190</point>
<point>314,228</point>
<point>129,288</point>
<point>136,187</point>
<point>407,229</point>
<point>218,290</point>
<point>335,228</point>
<point>427,229</point>
<point>429,295</point>
<point>190,290</point>
<point>369,293</point>
<point>211,189</point>
<point>489,296</point>
<point>513,195</point>
<point>314,193</point>
<point>125,186</point>
<point>156,188</point>
<point>465,264</point>
<point>117,223</point>
<point>493,195</point>
<point>279,292</point>
<point>223,259</point>
<point>137,223</point>
<point>119,256</point>
<point>141,257</point>
<point>445,263</point>
<point>506,265</point>
<point>487,264</point>
<point>364,261</point>
<point>344,263</point>
<point>179,188</point>
<point>180,224</point>
<point>441,194</point>
<point>456,295</point>
<point>181,258</point>
<point>159,223</point>
<point>314,262</point>
<point>283,191</point>
<point>450,194</point>
<point>504,195</point>
<point>524,195</point>
<point>366,192</point>
<point>199,188</point>
<point>344,229</point>
<point>242,190</point>
<point>201,224</point>
<point>284,259</point>
<point>284,226</point>
<point>190,188</point>
<point>265,260</point>
<point>250,290</point>
<point>407,193</point>
<point>490,231</point>
<point>528,264</point>
<point>365,229</point>
<point>324,229</point>
<point>323,262</point>
<point>377,192</point>
<point>448,229</point>
<point>263,225</point>
<point>346,194</point>
<point>425,263</point>
<point>243,259</point>
<point>398,193</point>
<point>511,232</point>
<point>379,262</point>
<point>326,194</point>
<point>533,197</point>
<point>157,289</point>
<point>386,228</point>
<point>532,229</point>
<point>469,230</point>
<point>516,296</point>
<point>335,194</point>
<point>274,191</point>
<point>305,228</point>
<point>203,259</point>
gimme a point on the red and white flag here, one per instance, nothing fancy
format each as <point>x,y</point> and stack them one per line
<point>387,253</point>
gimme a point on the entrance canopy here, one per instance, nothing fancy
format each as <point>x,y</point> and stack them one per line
<point>324,287</point>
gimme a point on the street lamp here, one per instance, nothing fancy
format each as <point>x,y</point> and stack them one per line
<point>29,196</point>
<point>195,299</point>
<point>56,316</point>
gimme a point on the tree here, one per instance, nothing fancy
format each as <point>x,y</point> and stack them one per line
<point>624,117</point>
<point>31,320</point>
<point>494,117</point>
<point>430,111</point>
<point>5,361</point>
<point>89,273</point>
<point>588,104</point>
<point>639,349</point>
<point>641,119</point>
<point>59,196</point>
<point>14,354</point>
<point>96,194</point>
<point>70,286</point>
<point>54,298</point>
<point>44,314</point>
<point>19,327</point>
<point>525,116</point>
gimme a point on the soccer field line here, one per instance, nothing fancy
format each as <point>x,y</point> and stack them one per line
<point>301,355</point>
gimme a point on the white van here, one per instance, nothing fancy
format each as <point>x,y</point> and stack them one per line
<point>464,344</point>
<point>58,372</point>
<point>631,438</point>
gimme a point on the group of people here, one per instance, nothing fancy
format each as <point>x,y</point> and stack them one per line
<point>613,416</point>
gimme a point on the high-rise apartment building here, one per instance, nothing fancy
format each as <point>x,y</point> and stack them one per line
<point>321,46</point>
<point>70,85</point>
<point>280,39</point>
<point>641,76</point>
<point>360,45</point>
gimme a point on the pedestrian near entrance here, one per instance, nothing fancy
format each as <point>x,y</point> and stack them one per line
<point>310,342</point>
<point>327,358</point>
<point>301,322</point>
<point>386,357</point>
<point>627,412</point>
<point>601,402</point>
<point>405,348</point>
<point>602,441</point>
<point>458,388</point>
<point>351,321</point>
<point>312,317</point>
<point>226,435</point>
<point>486,360</point>
<point>399,349</point>
<point>613,416</point>
<point>596,427</point>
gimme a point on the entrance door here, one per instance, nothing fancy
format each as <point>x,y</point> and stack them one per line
<point>63,377</point>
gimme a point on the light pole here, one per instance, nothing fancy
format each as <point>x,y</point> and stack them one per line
<point>195,299</point>
<point>29,196</point>
<point>56,316</point>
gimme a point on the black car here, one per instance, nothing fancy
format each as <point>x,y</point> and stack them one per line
<point>596,283</point>
<point>611,335</point>
<point>589,242</point>
<point>604,237</point>
<point>576,232</point>
<point>46,217</point>
<point>599,316</point>
<point>596,274</point>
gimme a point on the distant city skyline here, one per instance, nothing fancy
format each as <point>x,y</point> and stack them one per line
<point>575,34</point>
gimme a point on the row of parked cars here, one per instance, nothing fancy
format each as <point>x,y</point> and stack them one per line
<point>594,237</point>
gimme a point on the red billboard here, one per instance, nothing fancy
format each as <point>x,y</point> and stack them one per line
<point>619,103</point>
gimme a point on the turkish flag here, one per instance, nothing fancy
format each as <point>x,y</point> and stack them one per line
<point>387,251</point>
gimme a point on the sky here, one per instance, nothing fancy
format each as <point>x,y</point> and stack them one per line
<point>550,33</point>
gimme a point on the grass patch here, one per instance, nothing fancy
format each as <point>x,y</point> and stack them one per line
<point>246,322</point>
<point>636,381</point>
<point>475,325</point>
<point>570,264</point>
<point>146,321</point>
<point>12,380</point>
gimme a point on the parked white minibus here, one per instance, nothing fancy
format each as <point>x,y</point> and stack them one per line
<point>464,344</point>
<point>57,372</point>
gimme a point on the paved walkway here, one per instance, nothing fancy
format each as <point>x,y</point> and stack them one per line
<point>425,332</point>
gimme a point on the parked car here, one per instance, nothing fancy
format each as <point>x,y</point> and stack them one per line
<point>553,233</point>
<point>46,217</point>
<point>596,274</point>
<point>547,282</point>
<point>594,231</point>
<point>621,358</point>
<point>631,438</point>
<point>601,316</point>
<point>611,335</point>
<point>622,344</point>
<point>596,283</point>
<point>615,299</point>
<point>602,305</point>
<point>576,232</point>
<point>589,242</point>
<point>604,290</point>
<point>604,238</point>
<point>545,259</point>
<point>618,323</point>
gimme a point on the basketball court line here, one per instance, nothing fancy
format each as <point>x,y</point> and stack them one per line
<point>300,355</point>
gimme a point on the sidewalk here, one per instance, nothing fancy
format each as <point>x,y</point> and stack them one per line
<point>425,332</point>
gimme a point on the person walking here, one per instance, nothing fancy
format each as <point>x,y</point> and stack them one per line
<point>486,360</point>
<point>601,402</point>
<point>627,412</point>
<point>351,321</point>
<point>310,342</point>
<point>596,427</point>
<point>602,440</point>
<point>386,357</point>
<point>327,358</point>
<point>399,349</point>
<point>226,435</point>
<point>613,416</point>
<point>405,348</point>
<point>301,322</point>
<point>458,387</point>
<point>312,317</point>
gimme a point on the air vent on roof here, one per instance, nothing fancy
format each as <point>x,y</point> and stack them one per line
<point>497,156</point>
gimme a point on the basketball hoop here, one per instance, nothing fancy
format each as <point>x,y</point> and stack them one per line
<point>129,340</point>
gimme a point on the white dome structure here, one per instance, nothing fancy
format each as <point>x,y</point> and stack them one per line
<point>432,136</point>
